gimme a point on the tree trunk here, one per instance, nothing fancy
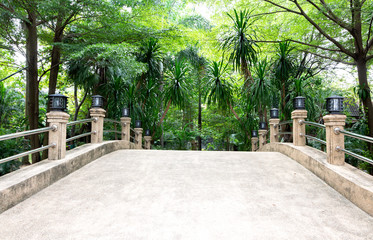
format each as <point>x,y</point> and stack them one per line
<point>32,84</point>
<point>367,102</point>
<point>199,118</point>
<point>163,116</point>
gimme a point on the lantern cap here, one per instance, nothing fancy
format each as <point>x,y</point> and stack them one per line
<point>299,102</point>
<point>147,132</point>
<point>262,125</point>
<point>334,104</point>
<point>254,133</point>
<point>125,112</point>
<point>97,101</point>
<point>58,102</point>
<point>274,113</point>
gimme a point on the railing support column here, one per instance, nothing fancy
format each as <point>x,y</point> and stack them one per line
<point>262,137</point>
<point>58,136</point>
<point>299,130</point>
<point>138,138</point>
<point>274,129</point>
<point>148,140</point>
<point>335,139</point>
<point>97,125</point>
<point>126,130</point>
<point>254,143</point>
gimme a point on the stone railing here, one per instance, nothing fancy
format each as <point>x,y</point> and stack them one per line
<point>57,132</point>
<point>334,131</point>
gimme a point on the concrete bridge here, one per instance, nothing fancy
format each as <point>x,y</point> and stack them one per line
<point>137,194</point>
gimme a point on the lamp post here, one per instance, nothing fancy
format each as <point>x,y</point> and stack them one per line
<point>58,118</point>
<point>262,133</point>
<point>273,125</point>
<point>334,122</point>
<point>126,127</point>
<point>98,113</point>
<point>138,134</point>
<point>147,139</point>
<point>254,140</point>
<point>299,115</point>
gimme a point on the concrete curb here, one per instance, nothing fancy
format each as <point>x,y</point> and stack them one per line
<point>352,183</point>
<point>21,184</point>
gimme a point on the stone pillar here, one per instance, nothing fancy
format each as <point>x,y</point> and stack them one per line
<point>274,129</point>
<point>126,128</point>
<point>299,129</point>
<point>147,139</point>
<point>57,136</point>
<point>138,138</point>
<point>97,125</point>
<point>254,142</point>
<point>262,137</point>
<point>335,139</point>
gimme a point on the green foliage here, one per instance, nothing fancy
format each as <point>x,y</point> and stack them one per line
<point>176,90</point>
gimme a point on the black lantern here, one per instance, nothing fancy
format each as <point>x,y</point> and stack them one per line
<point>97,101</point>
<point>254,133</point>
<point>274,113</point>
<point>262,125</point>
<point>125,112</point>
<point>58,102</point>
<point>299,102</point>
<point>334,104</point>
<point>138,124</point>
<point>147,132</point>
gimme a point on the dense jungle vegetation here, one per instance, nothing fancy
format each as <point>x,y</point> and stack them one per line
<point>201,75</point>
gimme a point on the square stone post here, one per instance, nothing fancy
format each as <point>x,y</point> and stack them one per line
<point>148,140</point>
<point>98,124</point>
<point>299,129</point>
<point>274,129</point>
<point>335,139</point>
<point>254,142</point>
<point>262,137</point>
<point>57,136</point>
<point>126,130</point>
<point>138,138</point>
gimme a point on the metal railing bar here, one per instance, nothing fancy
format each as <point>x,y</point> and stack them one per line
<point>314,124</point>
<point>315,139</point>
<point>82,121</point>
<point>365,159</point>
<point>354,135</point>
<point>132,129</point>
<point>80,136</point>
<point>282,133</point>
<point>111,120</point>
<point>285,122</point>
<point>4,160</point>
<point>28,133</point>
<point>112,131</point>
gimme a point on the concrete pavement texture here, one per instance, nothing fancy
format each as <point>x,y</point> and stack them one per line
<point>134,194</point>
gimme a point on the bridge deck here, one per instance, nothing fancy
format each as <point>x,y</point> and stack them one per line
<point>187,195</point>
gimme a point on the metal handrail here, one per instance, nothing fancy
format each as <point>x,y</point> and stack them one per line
<point>365,159</point>
<point>112,120</point>
<point>132,129</point>
<point>315,139</point>
<point>80,136</point>
<point>312,124</point>
<point>112,131</point>
<point>353,135</point>
<point>285,122</point>
<point>28,133</point>
<point>82,121</point>
<point>4,160</point>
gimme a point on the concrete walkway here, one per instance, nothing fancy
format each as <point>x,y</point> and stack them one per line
<point>188,195</point>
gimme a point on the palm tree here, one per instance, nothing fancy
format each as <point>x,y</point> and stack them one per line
<point>261,89</point>
<point>176,91</point>
<point>191,54</point>
<point>218,88</point>
<point>241,45</point>
<point>283,69</point>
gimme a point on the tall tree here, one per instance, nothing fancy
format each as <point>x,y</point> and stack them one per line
<point>346,30</point>
<point>240,45</point>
